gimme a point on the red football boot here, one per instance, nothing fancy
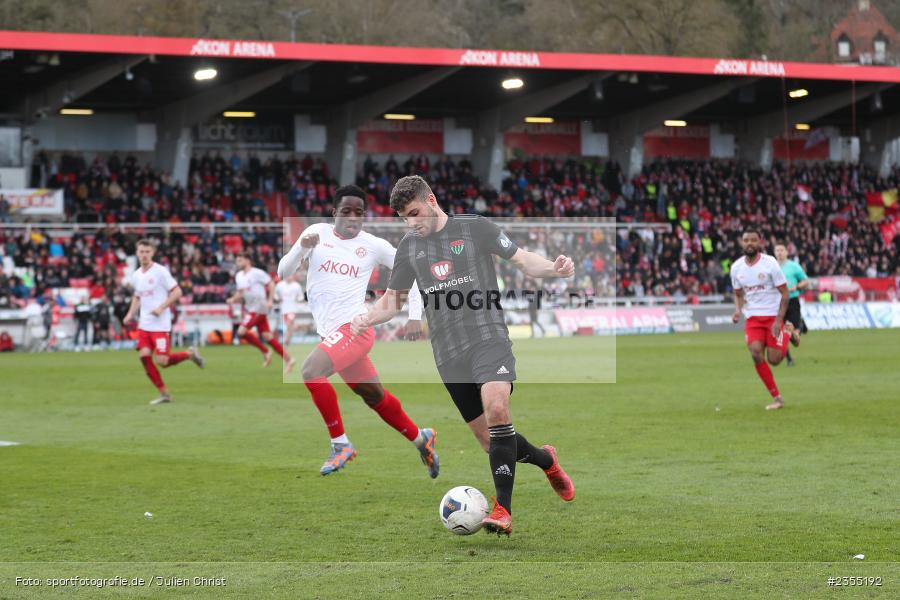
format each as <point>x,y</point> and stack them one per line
<point>559,479</point>
<point>499,521</point>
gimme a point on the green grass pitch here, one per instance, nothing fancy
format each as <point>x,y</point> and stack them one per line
<point>687,488</point>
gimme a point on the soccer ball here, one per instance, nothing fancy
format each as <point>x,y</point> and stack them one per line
<point>462,510</point>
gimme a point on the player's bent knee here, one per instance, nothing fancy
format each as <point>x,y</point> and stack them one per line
<point>309,372</point>
<point>371,393</point>
<point>313,369</point>
<point>162,360</point>
<point>497,411</point>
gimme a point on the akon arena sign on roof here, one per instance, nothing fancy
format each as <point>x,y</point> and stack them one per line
<point>227,48</point>
<point>491,58</point>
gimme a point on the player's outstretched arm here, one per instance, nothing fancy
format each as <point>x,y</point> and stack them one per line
<point>301,249</point>
<point>386,308</point>
<point>535,265</point>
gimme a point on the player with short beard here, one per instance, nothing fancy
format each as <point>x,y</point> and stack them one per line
<point>451,258</point>
<point>761,295</point>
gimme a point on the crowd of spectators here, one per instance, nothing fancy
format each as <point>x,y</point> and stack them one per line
<point>819,210</point>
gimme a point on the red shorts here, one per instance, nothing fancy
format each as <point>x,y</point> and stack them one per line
<point>349,354</point>
<point>156,341</point>
<point>759,329</point>
<point>258,320</point>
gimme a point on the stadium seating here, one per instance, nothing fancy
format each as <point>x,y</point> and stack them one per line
<point>820,209</point>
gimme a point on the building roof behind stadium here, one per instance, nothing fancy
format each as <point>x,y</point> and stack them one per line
<point>31,61</point>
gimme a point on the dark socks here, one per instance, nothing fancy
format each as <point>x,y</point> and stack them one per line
<point>526,453</point>
<point>502,455</point>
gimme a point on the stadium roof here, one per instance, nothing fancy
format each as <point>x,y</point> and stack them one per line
<point>340,73</point>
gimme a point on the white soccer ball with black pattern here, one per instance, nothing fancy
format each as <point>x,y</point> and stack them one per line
<point>462,510</point>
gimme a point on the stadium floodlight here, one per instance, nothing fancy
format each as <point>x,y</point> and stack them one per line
<point>674,123</point>
<point>512,83</point>
<point>205,74</point>
<point>802,127</point>
<point>239,114</point>
<point>76,111</point>
<point>798,93</point>
<point>538,119</point>
<point>399,117</point>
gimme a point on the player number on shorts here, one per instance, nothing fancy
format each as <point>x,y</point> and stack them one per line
<point>333,339</point>
<point>160,344</point>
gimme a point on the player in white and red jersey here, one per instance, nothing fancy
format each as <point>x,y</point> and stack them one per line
<point>289,294</point>
<point>341,259</point>
<point>155,291</point>
<point>761,294</point>
<point>256,289</point>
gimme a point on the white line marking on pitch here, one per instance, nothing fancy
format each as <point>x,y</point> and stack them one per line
<point>2,443</point>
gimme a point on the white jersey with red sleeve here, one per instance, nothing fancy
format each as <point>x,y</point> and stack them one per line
<point>152,286</point>
<point>339,273</point>
<point>253,284</point>
<point>760,282</point>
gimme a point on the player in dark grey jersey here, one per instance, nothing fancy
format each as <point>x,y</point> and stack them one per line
<point>452,260</point>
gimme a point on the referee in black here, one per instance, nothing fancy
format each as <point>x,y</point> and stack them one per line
<point>451,257</point>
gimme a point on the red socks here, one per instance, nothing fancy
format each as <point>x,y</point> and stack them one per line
<point>765,373</point>
<point>153,373</point>
<point>389,409</point>
<point>253,340</point>
<point>177,357</point>
<point>391,412</point>
<point>325,398</point>
<point>277,346</point>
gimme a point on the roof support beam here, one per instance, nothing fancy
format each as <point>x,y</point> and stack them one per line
<point>488,151</point>
<point>343,121</point>
<point>755,142</point>
<point>878,144</point>
<point>174,143</point>
<point>626,132</point>
<point>49,100</point>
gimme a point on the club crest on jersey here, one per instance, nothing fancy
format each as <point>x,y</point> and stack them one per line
<point>441,270</point>
<point>457,246</point>
<point>361,252</point>
<point>761,276</point>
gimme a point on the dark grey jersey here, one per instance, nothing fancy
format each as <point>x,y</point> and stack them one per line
<point>455,271</point>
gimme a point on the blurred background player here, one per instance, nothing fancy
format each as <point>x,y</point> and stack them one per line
<point>796,281</point>
<point>101,317</point>
<point>454,254</point>
<point>532,293</point>
<point>256,289</point>
<point>761,295</point>
<point>83,319</point>
<point>155,291</point>
<point>341,260</point>
<point>289,295</point>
